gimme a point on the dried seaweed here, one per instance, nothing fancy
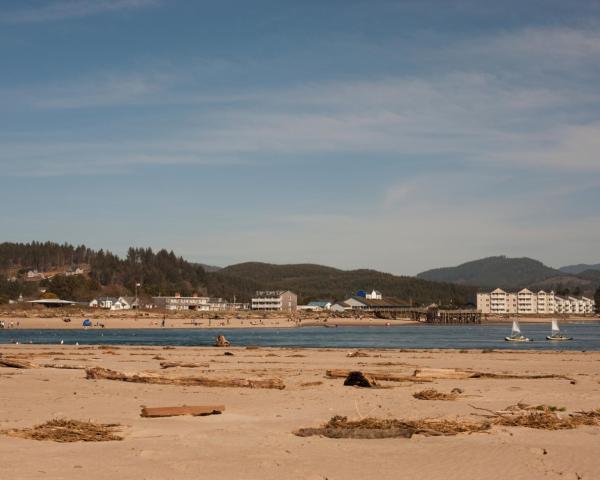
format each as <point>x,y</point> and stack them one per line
<point>368,428</point>
<point>62,430</point>
<point>432,394</point>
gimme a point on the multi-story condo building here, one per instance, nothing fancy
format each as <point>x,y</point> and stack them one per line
<point>278,300</point>
<point>177,302</point>
<point>526,302</point>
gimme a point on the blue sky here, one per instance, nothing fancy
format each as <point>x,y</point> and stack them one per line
<point>396,135</point>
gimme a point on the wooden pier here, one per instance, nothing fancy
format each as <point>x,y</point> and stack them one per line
<point>445,317</point>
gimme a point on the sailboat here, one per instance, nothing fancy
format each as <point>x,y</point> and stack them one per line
<point>516,335</point>
<point>556,335</point>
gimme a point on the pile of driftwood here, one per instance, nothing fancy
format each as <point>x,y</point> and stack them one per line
<point>61,430</point>
<point>107,374</point>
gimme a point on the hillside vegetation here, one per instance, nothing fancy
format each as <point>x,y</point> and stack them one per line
<point>165,273</point>
<point>313,282</point>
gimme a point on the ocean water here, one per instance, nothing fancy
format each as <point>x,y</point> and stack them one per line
<point>586,337</point>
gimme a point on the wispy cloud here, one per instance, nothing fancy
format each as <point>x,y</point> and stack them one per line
<point>66,9</point>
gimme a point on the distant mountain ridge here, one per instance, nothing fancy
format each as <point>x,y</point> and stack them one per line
<point>498,271</point>
<point>579,268</point>
<point>513,273</point>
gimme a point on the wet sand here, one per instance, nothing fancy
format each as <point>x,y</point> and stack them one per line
<point>253,438</point>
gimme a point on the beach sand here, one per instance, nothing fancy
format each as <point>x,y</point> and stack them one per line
<point>253,438</point>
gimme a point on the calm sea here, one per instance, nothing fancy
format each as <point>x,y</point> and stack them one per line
<point>586,337</point>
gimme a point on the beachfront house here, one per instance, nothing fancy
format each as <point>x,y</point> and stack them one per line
<point>340,307</point>
<point>113,303</point>
<point>381,304</point>
<point>277,300</point>
<point>320,305</point>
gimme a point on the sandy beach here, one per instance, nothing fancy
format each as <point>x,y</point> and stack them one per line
<point>135,319</point>
<point>253,438</point>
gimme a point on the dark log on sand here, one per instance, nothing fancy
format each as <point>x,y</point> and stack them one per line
<point>106,374</point>
<point>155,412</point>
<point>359,379</point>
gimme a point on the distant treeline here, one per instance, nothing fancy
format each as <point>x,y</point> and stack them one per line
<point>164,273</point>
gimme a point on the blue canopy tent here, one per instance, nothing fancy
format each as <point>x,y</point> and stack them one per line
<point>87,322</point>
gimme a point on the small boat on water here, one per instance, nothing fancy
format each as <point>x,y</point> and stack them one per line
<point>556,335</point>
<point>516,335</point>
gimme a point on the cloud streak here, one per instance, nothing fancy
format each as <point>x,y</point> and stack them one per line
<point>68,9</point>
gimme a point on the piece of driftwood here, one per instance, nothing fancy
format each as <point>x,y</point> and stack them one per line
<point>12,363</point>
<point>183,364</point>
<point>360,379</point>
<point>106,374</point>
<point>65,366</point>
<point>196,411</point>
<point>443,373</point>
<point>385,377</point>
<point>456,374</point>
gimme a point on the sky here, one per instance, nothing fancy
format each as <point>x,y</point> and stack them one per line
<point>394,135</point>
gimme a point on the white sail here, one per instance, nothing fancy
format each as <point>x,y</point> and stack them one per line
<point>515,328</point>
<point>555,328</point>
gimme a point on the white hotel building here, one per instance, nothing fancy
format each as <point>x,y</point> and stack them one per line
<point>526,302</point>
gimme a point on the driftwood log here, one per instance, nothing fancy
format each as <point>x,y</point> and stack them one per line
<point>456,374</point>
<point>12,363</point>
<point>183,364</point>
<point>155,412</point>
<point>106,374</point>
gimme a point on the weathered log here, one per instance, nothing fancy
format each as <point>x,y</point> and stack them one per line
<point>65,366</point>
<point>443,373</point>
<point>106,374</point>
<point>183,364</point>
<point>155,412</point>
<point>12,363</point>
<point>456,374</point>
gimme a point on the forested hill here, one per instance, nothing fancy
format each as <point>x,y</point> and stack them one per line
<point>516,273</point>
<point>159,272</point>
<point>494,272</point>
<point>313,282</point>
<point>165,273</point>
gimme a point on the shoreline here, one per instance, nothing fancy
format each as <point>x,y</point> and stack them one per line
<point>247,320</point>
